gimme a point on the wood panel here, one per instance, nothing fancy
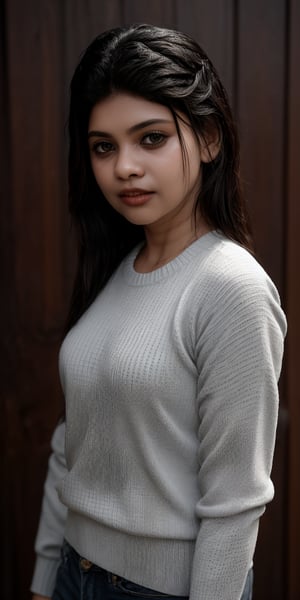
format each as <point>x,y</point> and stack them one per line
<point>212,24</point>
<point>82,24</point>
<point>293,299</point>
<point>154,12</point>
<point>7,306</point>
<point>261,111</point>
<point>37,129</point>
<point>33,59</point>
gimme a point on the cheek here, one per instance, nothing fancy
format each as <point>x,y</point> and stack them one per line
<point>169,164</point>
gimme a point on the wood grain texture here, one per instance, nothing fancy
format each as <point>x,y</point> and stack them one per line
<point>261,111</point>
<point>293,298</point>
<point>36,288</point>
<point>82,23</point>
<point>37,142</point>
<point>212,25</point>
<point>154,12</point>
<point>9,360</point>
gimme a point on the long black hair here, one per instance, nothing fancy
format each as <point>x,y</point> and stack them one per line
<point>169,68</point>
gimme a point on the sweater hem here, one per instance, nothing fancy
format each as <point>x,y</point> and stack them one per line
<point>161,564</point>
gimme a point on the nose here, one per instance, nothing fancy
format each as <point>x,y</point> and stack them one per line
<point>128,164</point>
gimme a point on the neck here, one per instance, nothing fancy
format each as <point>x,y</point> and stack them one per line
<point>162,246</point>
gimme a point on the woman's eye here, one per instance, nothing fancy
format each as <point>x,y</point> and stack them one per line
<point>102,147</point>
<point>153,139</point>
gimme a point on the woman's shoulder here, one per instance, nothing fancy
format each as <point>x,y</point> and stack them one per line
<point>225,251</point>
<point>230,281</point>
<point>229,265</point>
<point>231,297</point>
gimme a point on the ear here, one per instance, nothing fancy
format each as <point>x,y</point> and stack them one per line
<point>210,143</point>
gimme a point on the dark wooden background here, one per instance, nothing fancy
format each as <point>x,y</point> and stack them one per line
<point>256,47</point>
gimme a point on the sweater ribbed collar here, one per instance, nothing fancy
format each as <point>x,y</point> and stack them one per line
<point>197,249</point>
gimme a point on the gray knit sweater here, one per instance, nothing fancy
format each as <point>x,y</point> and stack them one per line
<point>170,380</point>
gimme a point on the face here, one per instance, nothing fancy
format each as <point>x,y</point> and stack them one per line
<point>137,161</point>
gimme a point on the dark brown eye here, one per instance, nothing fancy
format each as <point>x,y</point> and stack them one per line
<point>102,147</point>
<point>153,139</point>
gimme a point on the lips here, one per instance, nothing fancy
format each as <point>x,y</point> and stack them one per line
<point>135,197</point>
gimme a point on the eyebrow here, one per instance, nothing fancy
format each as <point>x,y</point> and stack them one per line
<point>132,129</point>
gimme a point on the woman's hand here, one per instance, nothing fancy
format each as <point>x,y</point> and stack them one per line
<point>38,597</point>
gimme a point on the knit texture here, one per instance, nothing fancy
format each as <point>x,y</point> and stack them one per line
<point>170,380</point>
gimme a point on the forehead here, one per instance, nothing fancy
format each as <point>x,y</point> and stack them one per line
<point>122,110</point>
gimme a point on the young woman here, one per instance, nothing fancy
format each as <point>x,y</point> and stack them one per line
<point>174,349</point>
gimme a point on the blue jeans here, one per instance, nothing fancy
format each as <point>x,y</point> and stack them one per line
<point>79,579</point>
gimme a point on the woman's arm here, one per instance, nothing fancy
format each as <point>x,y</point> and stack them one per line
<point>52,522</point>
<point>239,352</point>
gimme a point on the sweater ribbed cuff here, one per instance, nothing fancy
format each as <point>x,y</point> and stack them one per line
<point>44,577</point>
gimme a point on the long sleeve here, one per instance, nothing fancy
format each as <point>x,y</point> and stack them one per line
<point>239,352</point>
<point>52,521</point>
